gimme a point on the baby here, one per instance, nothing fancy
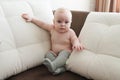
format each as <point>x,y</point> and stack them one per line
<point>63,39</point>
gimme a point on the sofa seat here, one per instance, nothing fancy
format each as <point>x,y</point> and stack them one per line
<point>42,73</point>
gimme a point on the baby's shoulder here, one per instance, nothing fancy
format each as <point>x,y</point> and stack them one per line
<point>71,31</point>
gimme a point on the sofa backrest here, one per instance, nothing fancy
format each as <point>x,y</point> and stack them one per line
<point>103,29</point>
<point>22,45</point>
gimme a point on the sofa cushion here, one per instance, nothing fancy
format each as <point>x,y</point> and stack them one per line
<point>22,45</point>
<point>101,58</point>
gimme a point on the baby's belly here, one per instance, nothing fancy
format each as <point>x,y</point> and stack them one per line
<point>58,48</point>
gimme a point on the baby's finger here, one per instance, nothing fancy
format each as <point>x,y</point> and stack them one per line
<point>83,47</point>
<point>73,47</point>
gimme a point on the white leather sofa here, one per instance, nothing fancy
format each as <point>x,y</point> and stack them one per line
<point>101,58</point>
<point>24,45</point>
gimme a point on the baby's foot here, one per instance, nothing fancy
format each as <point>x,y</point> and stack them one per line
<point>45,62</point>
<point>59,71</point>
<point>48,63</point>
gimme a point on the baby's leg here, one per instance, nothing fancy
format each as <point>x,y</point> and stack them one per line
<point>58,62</point>
<point>50,55</point>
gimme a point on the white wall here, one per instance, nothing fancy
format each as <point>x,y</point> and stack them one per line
<point>80,5</point>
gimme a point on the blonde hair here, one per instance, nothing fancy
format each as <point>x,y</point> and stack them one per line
<point>63,10</point>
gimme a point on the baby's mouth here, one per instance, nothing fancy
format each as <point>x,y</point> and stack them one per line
<point>62,28</point>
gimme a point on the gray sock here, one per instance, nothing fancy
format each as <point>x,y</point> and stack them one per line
<point>60,59</point>
<point>58,62</point>
<point>50,55</point>
<point>48,64</point>
<point>59,70</point>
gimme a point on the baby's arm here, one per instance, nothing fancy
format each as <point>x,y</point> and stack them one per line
<point>75,42</point>
<point>37,22</point>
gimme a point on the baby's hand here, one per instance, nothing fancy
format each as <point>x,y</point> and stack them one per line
<point>26,17</point>
<point>78,46</point>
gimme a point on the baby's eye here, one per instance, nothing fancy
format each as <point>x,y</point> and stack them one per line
<point>59,21</point>
<point>66,22</point>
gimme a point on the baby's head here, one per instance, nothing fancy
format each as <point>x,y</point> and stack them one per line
<point>62,19</point>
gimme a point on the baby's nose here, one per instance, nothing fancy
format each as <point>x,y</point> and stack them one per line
<point>62,24</point>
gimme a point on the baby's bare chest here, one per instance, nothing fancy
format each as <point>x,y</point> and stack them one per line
<point>58,38</point>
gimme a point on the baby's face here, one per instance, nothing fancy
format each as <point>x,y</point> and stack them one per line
<point>62,22</point>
